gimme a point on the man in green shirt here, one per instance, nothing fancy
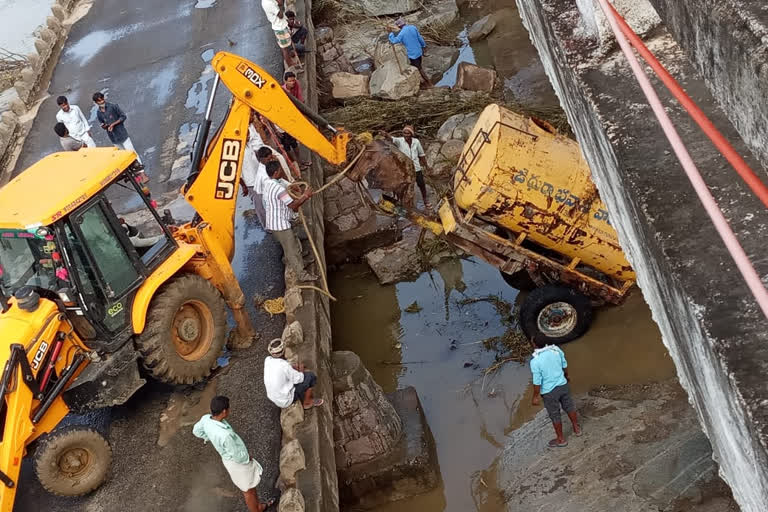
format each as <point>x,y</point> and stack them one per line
<point>244,471</point>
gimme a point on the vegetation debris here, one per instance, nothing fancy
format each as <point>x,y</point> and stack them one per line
<point>413,308</point>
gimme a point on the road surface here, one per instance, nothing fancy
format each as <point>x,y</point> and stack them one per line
<point>150,57</point>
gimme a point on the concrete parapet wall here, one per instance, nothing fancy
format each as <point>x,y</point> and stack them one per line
<point>710,323</point>
<point>50,38</point>
<point>307,461</point>
<point>727,41</point>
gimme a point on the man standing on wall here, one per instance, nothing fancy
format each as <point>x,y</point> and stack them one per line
<point>73,118</point>
<point>550,383</point>
<point>415,46</point>
<point>275,11</point>
<point>112,119</point>
<point>280,211</point>
<point>244,471</point>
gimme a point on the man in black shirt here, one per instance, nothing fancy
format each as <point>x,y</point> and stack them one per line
<point>112,119</point>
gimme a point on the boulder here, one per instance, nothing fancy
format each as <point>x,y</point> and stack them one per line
<point>386,7</point>
<point>474,78</point>
<point>388,52</point>
<point>441,15</point>
<point>348,85</point>
<point>439,166</point>
<point>291,501</point>
<point>465,127</point>
<point>402,260</point>
<point>438,60</point>
<point>481,28</point>
<point>323,35</point>
<point>445,132</point>
<point>387,82</point>
<point>452,149</point>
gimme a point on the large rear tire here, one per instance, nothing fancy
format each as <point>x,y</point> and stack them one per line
<point>72,461</point>
<point>555,314</point>
<point>185,332</point>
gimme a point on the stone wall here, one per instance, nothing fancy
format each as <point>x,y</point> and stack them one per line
<point>726,41</point>
<point>709,321</point>
<point>307,464</point>
<point>18,100</point>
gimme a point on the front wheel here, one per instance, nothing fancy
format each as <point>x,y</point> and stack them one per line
<point>72,461</point>
<point>555,314</point>
<point>186,331</point>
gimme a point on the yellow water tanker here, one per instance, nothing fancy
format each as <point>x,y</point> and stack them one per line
<point>518,173</point>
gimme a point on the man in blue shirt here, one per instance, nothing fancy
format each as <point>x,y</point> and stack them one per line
<point>550,382</point>
<point>415,47</point>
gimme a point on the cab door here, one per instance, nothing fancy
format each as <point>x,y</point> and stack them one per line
<point>108,268</point>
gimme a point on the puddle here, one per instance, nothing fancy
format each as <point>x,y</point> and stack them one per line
<point>197,96</point>
<point>205,4</point>
<point>162,83</point>
<point>88,46</point>
<point>469,416</point>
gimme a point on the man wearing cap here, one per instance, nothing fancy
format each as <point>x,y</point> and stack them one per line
<point>285,383</point>
<point>412,148</point>
<point>415,46</point>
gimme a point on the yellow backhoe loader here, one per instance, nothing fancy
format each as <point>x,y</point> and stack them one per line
<point>84,299</point>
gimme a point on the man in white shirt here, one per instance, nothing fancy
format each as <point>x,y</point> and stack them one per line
<point>280,210</point>
<point>73,118</point>
<point>275,11</point>
<point>412,148</point>
<point>285,383</point>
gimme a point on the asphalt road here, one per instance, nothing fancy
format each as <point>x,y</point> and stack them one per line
<point>150,57</point>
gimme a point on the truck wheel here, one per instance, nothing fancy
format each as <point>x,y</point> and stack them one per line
<point>72,461</point>
<point>185,331</point>
<point>555,314</point>
<point>520,280</point>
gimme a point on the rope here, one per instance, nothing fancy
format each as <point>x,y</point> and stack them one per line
<point>735,249</point>
<point>709,129</point>
<point>274,306</point>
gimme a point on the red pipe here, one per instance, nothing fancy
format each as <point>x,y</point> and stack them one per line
<point>51,363</point>
<point>709,129</point>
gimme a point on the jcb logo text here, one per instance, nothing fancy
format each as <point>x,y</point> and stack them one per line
<point>230,156</point>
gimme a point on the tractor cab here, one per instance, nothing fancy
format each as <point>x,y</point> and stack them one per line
<point>89,240</point>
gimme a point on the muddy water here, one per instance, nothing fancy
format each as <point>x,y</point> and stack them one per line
<point>438,351</point>
<point>507,49</point>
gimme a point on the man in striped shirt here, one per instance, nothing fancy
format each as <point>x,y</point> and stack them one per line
<point>280,209</point>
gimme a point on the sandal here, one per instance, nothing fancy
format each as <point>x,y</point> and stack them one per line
<point>317,402</point>
<point>555,444</point>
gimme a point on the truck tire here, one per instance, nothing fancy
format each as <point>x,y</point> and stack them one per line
<point>555,314</point>
<point>520,280</point>
<point>185,332</point>
<point>72,461</point>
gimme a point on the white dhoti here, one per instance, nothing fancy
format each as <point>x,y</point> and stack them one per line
<point>244,476</point>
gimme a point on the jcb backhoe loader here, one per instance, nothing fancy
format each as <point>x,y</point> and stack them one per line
<point>81,306</point>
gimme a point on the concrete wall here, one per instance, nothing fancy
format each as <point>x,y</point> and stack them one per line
<point>307,460</point>
<point>709,321</point>
<point>726,41</point>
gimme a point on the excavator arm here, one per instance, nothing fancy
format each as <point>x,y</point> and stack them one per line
<point>216,166</point>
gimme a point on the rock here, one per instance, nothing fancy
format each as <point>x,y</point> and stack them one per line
<point>474,78</point>
<point>289,418</point>
<point>347,85</point>
<point>291,501</point>
<point>445,132</point>
<point>438,60</point>
<point>442,15</point>
<point>386,7</point>
<point>388,52</point>
<point>330,54</point>
<point>402,261</point>
<point>481,28</point>
<point>323,35</point>
<point>452,149</point>
<point>330,68</point>
<point>465,127</point>
<point>292,461</point>
<point>389,83</point>
<point>293,334</point>
<point>432,153</point>
<point>345,222</point>
<point>293,300</point>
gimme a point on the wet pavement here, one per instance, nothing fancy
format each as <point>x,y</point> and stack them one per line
<point>439,351</point>
<point>150,57</point>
